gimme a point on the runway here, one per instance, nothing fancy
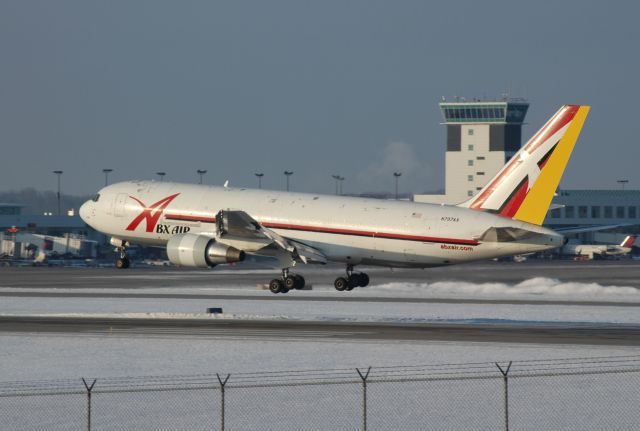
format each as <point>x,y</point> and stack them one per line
<point>617,273</point>
<point>620,335</point>
<point>311,298</point>
<point>69,301</point>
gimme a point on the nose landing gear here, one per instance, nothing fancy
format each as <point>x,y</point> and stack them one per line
<point>122,260</point>
<point>287,282</point>
<point>352,280</point>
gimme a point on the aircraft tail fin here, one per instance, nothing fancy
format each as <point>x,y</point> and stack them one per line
<point>629,241</point>
<point>524,187</point>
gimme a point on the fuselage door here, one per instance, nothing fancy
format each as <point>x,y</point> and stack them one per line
<point>119,204</point>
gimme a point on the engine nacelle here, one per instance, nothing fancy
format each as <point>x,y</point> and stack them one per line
<point>117,242</point>
<point>200,251</point>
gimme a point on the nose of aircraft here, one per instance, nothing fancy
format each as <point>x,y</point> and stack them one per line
<point>85,211</point>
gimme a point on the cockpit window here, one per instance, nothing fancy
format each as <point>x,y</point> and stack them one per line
<point>96,198</point>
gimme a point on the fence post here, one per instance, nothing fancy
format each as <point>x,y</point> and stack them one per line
<point>223,383</point>
<point>89,387</point>
<point>364,396</point>
<point>505,376</point>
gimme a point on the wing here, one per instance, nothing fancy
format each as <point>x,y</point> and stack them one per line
<point>240,230</point>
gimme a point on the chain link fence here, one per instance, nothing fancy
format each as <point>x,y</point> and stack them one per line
<point>569,394</point>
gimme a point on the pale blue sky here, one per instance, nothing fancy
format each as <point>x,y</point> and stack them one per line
<point>324,87</point>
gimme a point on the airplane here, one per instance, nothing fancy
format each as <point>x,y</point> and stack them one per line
<point>590,250</point>
<point>203,226</point>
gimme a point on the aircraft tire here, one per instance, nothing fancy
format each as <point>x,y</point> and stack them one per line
<point>364,280</point>
<point>300,282</point>
<point>123,263</point>
<point>354,281</point>
<point>290,282</point>
<point>341,284</point>
<point>276,285</point>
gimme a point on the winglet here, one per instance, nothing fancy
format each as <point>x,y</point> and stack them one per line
<point>525,186</point>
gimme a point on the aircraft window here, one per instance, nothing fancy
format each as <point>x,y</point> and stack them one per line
<point>96,198</point>
<point>569,212</point>
<point>582,212</point>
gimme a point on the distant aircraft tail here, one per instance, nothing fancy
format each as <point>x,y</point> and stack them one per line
<point>525,186</point>
<point>629,241</point>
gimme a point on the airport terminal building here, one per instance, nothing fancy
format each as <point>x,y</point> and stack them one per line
<point>22,235</point>
<point>483,135</point>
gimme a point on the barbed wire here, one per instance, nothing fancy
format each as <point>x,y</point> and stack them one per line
<point>439,371</point>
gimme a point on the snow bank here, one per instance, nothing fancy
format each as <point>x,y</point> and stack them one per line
<point>539,287</point>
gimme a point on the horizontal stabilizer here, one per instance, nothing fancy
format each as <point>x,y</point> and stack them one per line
<point>506,234</point>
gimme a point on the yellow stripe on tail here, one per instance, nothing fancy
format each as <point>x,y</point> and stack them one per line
<point>536,204</point>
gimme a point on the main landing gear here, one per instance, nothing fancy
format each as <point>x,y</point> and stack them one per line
<point>287,282</point>
<point>352,280</point>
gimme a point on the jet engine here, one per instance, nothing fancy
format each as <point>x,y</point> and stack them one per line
<point>201,251</point>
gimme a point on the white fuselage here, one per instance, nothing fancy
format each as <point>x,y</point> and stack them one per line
<point>590,250</point>
<point>345,229</point>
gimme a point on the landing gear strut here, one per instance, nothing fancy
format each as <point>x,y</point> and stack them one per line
<point>287,282</point>
<point>352,280</point>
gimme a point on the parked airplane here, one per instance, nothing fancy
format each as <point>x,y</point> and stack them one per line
<point>590,250</point>
<point>202,226</point>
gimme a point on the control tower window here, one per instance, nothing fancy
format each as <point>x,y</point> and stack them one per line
<point>470,132</point>
<point>469,162</point>
<point>470,147</point>
<point>469,177</point>
<point>632,212</point>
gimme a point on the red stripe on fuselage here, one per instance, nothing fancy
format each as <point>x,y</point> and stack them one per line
<point>190,218</point>
<point>336,231</point>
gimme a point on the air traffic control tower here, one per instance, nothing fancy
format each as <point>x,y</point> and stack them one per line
<point>481,138</point>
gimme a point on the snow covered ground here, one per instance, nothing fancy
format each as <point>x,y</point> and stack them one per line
<point>587,402</point>
<point>70,355</point>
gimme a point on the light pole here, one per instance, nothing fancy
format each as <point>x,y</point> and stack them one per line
<point>339,181</point>
<point>623,183</point>
<point>259,175</point>
<point>106,176</point>
<point>161,175</point>
<point>397,175</point>
<point>287,174</point>
<point>59,174</point>
<point>201,172</point>
<point>337,178</point>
